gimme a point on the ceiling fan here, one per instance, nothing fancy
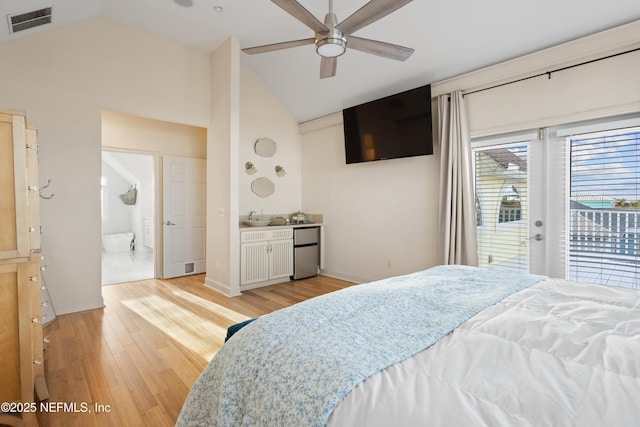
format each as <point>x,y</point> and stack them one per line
<point>333,38</point>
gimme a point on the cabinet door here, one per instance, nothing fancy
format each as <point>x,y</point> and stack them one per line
<point>254,262</point>
<point>19,323</point>
<point>9,334</point>
<point>280,258</point>
<point>14,220</point>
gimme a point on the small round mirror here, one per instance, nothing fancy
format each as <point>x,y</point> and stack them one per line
<point>262,187</point>
<point>265,147</point>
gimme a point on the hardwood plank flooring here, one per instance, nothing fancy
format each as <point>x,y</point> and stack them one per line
<point>137,358</point>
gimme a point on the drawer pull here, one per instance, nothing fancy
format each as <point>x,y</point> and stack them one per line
<point>37,361</point>
<point>34,320</point>
<point>46,339</point>
<point>33,278</point>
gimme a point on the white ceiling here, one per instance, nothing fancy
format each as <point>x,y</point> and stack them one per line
<point>449,37</point>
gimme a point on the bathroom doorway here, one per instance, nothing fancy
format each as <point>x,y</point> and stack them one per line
<point>128,208</point>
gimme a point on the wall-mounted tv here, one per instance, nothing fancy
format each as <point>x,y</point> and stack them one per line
<point>389,128</point>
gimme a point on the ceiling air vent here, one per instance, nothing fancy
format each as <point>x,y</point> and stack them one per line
<point>24,21</point>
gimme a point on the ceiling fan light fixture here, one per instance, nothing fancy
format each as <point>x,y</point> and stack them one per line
<point>331,47</point>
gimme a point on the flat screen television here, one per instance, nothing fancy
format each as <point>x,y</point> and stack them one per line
<point>389,128</point>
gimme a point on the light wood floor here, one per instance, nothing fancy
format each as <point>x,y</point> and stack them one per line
<point>139,356</point>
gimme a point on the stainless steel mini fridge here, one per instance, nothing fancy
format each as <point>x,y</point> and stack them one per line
<point>306,252</point>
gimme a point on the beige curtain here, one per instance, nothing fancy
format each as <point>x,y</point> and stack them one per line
<point>457,240</point>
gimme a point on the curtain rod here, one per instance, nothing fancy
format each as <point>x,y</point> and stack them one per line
<point>548,73</point>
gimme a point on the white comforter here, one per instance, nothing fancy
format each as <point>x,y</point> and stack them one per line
<point>557,354</point>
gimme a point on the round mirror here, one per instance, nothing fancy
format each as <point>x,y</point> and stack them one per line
<point>265,147</point>
<point>262,187</point>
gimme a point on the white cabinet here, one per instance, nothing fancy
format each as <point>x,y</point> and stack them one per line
<point>266,257</point>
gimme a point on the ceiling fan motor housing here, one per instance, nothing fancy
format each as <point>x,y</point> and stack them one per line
<point>332,43</point>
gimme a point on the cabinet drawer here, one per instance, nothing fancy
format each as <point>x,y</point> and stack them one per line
<point>260,235</point>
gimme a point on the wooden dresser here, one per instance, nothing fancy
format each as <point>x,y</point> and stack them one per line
<point>21,343</point>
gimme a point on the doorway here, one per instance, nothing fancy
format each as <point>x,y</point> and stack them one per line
<point>128,206</point>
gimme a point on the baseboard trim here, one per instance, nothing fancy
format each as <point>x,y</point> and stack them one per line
<point>222,288</point>
<point>76,306</point>
<point>344,277</point>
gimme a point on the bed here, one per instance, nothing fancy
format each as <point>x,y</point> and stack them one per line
<point>451,345</point>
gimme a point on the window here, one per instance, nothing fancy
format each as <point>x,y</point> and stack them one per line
<point>510,209</point>
<point>605,212</point>
<point>501,187</point>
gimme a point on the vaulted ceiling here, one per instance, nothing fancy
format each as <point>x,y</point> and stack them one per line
<point>449,38</point>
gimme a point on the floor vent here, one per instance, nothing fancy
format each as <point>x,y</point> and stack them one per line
<point>24,21</point>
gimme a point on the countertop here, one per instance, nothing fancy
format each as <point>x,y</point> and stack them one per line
<point>244,227</point>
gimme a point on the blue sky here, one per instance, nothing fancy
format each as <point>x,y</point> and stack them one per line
<point>606,164</point>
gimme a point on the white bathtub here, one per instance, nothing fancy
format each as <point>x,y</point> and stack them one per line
<point>119,242</point>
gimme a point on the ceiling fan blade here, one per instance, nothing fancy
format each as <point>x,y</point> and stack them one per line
<point>328,67</point>
<point>370,12</point>
<point>386,50</point>
<point>277,46</point>
<point>295,9</point>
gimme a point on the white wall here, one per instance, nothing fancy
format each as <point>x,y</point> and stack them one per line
<point>243,110</point>
<point>594,90</point>
<point>131,169</point>
<point>385,213</point>
<point>263,116</point>
<point>223,248</point>
<point>119,218</point>
<point>377,214</point>
<point>63,79</point>
<point>118,214</point>
<point>128,132</point>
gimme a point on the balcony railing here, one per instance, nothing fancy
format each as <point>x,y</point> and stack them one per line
<point>605,246</point>
<point>605,231</point>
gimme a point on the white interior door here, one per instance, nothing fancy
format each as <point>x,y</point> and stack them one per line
<point>184,216</point>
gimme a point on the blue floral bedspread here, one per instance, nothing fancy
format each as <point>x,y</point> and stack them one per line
<point>292,367</point>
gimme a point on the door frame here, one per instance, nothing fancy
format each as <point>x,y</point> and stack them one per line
<point>158,247</point>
